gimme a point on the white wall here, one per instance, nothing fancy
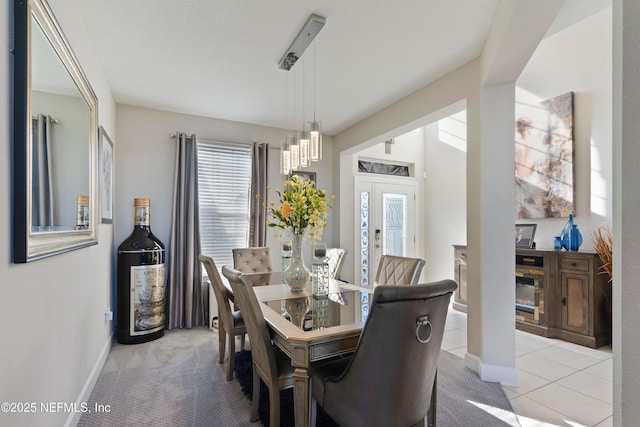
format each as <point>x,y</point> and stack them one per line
<point>54,336</point>
<point>145,164</point>
<point>578,59</point>
<point>626,231</point>
<point>446,202</point>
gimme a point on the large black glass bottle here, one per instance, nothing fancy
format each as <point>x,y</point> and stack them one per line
<point>141,281</point>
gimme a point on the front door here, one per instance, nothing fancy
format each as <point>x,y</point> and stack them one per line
<point>385,222</point>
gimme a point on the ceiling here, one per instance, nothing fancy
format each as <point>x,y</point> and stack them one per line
<point>218,58</point>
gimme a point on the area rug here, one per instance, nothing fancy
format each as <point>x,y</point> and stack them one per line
<point>463,398</point>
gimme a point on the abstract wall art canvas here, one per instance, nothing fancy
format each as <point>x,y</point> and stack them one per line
<point>544,158</point>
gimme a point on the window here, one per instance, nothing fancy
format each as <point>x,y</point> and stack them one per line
<point>382,168</point>
<point>224,179</point>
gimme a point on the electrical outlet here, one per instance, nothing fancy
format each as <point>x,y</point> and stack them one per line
<point>108,315</point>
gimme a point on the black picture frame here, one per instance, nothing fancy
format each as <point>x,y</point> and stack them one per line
<point>524,235</point>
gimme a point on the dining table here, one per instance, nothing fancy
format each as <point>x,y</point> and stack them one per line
<point>310,329</point>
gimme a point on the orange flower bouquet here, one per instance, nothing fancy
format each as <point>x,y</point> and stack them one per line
<point>301,209</point>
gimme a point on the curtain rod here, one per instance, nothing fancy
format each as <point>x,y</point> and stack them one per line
<point>271,147</point>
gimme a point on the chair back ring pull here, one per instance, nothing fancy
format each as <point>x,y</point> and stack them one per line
<point>423,321</point>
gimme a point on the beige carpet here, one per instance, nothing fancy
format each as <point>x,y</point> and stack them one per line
<point>177,381</point>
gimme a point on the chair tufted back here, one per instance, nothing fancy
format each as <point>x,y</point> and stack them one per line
<point>335,257</point>
<point>397,270</point>
<point>252,260</point>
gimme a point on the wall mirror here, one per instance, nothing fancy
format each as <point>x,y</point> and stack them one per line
<point>55,140</point>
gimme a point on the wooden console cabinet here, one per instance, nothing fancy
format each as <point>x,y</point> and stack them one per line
<point>585,300</point>
<point>576,297</point>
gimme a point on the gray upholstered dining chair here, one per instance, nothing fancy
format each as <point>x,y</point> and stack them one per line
<point>335,258</point>
<point>390,380</point>
<point>269,363</point>
<point>230,323</point>
<point>252,260</point>
<point>397,270</point>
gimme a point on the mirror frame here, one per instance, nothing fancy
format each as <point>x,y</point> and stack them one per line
<point>27,244</point>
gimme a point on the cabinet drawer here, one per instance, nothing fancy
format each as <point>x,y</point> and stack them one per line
<point>576,264</point>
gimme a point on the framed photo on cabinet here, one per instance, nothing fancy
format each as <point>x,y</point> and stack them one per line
<point>524,235</point>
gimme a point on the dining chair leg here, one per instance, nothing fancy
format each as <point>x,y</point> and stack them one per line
<point>222,339</point>
<point>274,405</point>
<point>255,398</point>
<point>232,356</point>
<point>242,340</point>
<point>431,415</point>
<point>313,411</point>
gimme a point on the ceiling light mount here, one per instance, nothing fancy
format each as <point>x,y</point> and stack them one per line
<point>304,38</point>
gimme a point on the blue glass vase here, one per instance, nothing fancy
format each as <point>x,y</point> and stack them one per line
<point>557,243</point>
<point>564,236</point>
<point>575,238</point>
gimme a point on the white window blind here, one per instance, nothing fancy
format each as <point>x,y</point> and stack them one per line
<point>224,178</point>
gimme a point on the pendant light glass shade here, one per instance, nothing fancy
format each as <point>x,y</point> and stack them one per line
<point>304,150</point>
<point>295,152</point>
<point>285,159</point>
<point>315,142</point>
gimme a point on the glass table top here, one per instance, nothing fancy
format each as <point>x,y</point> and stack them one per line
<point>310,312</point>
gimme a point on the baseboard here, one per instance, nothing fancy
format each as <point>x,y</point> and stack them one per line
<point>491,373</point>
<point>74,417</point>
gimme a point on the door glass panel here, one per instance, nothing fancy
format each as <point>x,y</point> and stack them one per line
<point>364,238</point>
<point>394,225</point>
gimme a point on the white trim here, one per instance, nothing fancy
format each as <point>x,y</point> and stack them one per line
<point>85,394</point>
<point>491,373</point>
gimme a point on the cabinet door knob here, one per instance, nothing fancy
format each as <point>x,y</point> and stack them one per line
<point>564,300</point>
<point>574,264</point>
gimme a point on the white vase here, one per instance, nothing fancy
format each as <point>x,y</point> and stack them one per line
<point>297,274</point>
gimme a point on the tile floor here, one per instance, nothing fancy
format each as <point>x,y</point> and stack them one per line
<point>560,383</point>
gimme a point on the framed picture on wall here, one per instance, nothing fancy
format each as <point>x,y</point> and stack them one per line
<point>544,158</point>
<point>524,235</point>
<point>105,168</point>
<point>306,176</point>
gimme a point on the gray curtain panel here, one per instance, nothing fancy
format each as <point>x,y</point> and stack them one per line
<point>259,183</point>
<point>41,185</point>
<point>185,305</point>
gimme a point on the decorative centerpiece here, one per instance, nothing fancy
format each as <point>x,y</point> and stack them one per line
<point>301,213</point>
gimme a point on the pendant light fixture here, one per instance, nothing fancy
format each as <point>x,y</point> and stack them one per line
<point>315,133</point>
<point>299,151</point>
